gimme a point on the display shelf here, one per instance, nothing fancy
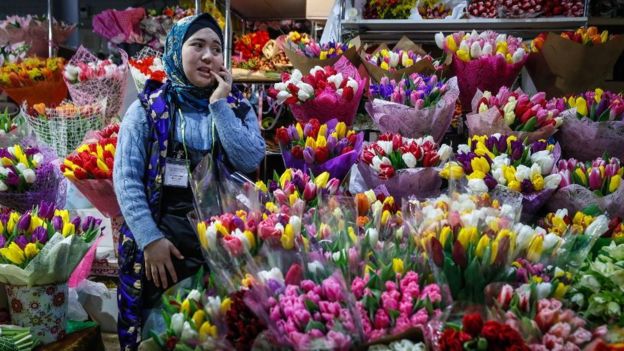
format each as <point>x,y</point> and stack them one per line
<point>424,30</point>
<point>606,22</point>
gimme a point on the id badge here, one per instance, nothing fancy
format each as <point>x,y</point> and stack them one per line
<point>176,173</point>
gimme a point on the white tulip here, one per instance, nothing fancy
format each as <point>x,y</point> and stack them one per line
<point>373,236</point>
<point>545,160</point>
<point>177,323</point>
<point>464,46</point>
<point>497,173</point>
<point>552,181</point>
<point>37,158</point>
<point>394,59</point>
<point>316,69</point>
<point>315,267</point>
<point>194,295</point>
<point>336,79</point>
<point>518,55</point>
<point>211,236</point>
<point>561,213</point>
<point>282,95</point>
<point>386,146</point>
<point>370,196</point>
<point>188,333</point>
<point>463,149</point>
<point>280,86</point>
<point>477,186</point>
<point>524,235</point>
<point>29,176</point>
<point>509,111</point>
<point>273,274</point>
<point>4,171</point>
<point>377,207</point>
<point>543,290</point>
<point>501,38</point>
<point>296,76</point>
<point>523,172</point>
<point>508,211</point>
<point>238,234</point>
<point>295,222</point>
<point>501,160</point>
<point>409,159</point>
<point>439,40</point>
<point>558,122</point>
<point>21,167</point>
<point>353,84</point>
<point>445,152</point>
<point>339,92</point>
<point>536,170</point>
<point>475,50</point>
<point>551,240</point>
<point>487,49</point>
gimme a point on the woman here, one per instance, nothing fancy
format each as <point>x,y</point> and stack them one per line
<point>162,138</point>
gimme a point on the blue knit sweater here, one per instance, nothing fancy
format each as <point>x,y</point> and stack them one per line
<point>240,139</point>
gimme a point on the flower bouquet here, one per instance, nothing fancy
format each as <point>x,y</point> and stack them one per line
<point>595,51</point>
<point>439,9</point>
<point>526,170</point>
<point>305,53</point>
<point>28,176</point>
<point>597,128</point>
<point>406,167</point>
<point>482,61</point>
<point>257,57</point>
<point>33,30</point>
<point>12,53</point>
<point>157,24</point>
<point>25,81</point>
<point>40,249</point>
<point>90,169</point>
<point>403,60</point>
<point>515,113</point>
<point>309,307</point>
<point>13,128</point>
<point>64,126</point>
<point>324,93</point>
<point>388,9</point>
<point>475,333</point>
<point>147,65</point>
<point>319,148</point>
<point>598,183</point>
<point>120,26</point>
<point>90,80</point>
<point>413,107</point>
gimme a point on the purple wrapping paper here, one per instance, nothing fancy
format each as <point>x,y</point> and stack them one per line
<point>327,106</point>
<point>410,122</point>
<point>487,73</point>
<point>575,197</point>
<point>338,167</point>
<point>419,182</point>
<point>587,140</point>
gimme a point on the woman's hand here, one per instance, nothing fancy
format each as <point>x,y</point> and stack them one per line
<point>157,256</point>
<point>224,80</point>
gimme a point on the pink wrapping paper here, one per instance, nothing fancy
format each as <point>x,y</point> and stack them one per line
<point>419,182</point>
<point>101,194</point>
<point>575,197</point>
<point>487,73</point>
<point>83,270</point>
<point>587,140</point>
<point>120,26</point>
<point>326,106</point>
<point>410,122</point>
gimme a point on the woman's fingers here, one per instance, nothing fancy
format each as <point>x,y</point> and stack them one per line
<point>162,271</point>
<point>155,275</point>
<point>217,77</point>
<point>172,272</point>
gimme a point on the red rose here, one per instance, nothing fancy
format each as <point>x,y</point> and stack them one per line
<point>502,337</point>
<point>472,323</point>
<point>348,93</point>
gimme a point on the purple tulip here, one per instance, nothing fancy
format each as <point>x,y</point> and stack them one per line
<point>23,223</point>
<point>29,151</point>
<point>12,179</point>
<point>517,150</point>
<point>490,181</point>
<point>598,162</point>
<point>46,210</point>
<point>3,241</point>
<point>331,145</point>
<point>611,169</point>
<point>562,165</point>
<point>602,106</point>
<point>40,235</point>
<point>92,222</point>
<point>307,130</point>
<point>274,285</point>
<point>527,187</point>
<point>465,159</point>
<point>595,180</point>
<point>21,241</point>
<point>76,221</point>
<point>308,155</point>
<point>292,133</point>
<point>521,275</point>
<point>566,178</point>
<point>538,146</point>
<point>57,223</point>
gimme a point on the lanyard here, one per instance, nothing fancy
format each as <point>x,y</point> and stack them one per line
<point>183,125</point>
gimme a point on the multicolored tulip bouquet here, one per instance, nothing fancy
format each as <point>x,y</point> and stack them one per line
<point>90,169</point>
<point>483,61</point>
<point>146,66</point>
<point>489,161</point>
<point>305,53</point>
<point>328,147</point>
<point>25,81</point>
<point>405,166</point>
<point>415,106</point>
<point>399,62</point>
<point>583,184</point>
<point>324,93</point>
<point>597,128</point>
<point>516,113</point>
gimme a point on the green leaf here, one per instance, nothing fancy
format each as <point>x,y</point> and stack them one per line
<point>157,339</point>
<point>393,314</point>
<point>453,275</point>
<point>387,273</point>
<point>604,116</point>
<point>311,306</point>
<point>314,325</point>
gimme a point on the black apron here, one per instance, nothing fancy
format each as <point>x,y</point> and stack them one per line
<point>175,204</point>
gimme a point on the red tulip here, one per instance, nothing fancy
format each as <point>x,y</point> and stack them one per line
<point>282,136</point>
<point>321,155</point>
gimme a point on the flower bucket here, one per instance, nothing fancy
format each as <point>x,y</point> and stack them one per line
<point>42,308</point>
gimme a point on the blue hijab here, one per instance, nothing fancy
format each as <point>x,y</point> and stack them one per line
<point>179,90</point>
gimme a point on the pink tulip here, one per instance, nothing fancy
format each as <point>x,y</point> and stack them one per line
<point>595,180</point>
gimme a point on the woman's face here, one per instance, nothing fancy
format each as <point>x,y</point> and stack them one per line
<point>201,54</point>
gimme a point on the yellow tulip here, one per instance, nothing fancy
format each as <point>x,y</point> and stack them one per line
<point>450,43</point>
<point>262,186</point>
<point>385,216</point>
<point>288,237</point>
<point>64,214</point>
<point>615,182</point>
<point>225,305</point>
<point>321,141</point>
<point>466,236</point>
<point>397,265</point>
<point>476,175</point>
<point>250,238</point>
<point>463,55</point>
<point>322,131</point>
<point>69,229</point>
<point>321,180</point>
<point>341,130</point>
<point>285,177</point>
<point>509,172</point>
<point>535,248</point>
<point>538,182</point>
<point>452,170</point>
<point>6,162</point>
<point>247,281</point>
<point>292,198</point>
<point>514,185</point>
<point>19,155</point>
<point>323,55</point>
<point>582,176</point>
<point>480,164</point>
<point>560,291</point>
<point>2,228</point>
<point>13,254</point>
<point>207,330</point>
<point>13,219</point>
<point>83,148</point>
<point>310,143</point>
<point>70,164</point>
<point>581,106</point>
<point>101,165</point>
<point>110,148</point>
<point>201,232</point>
<point>31,250</point>
<point>186,306</point>
<point>271,207</point>
<point>352,235</point>
<point>99,151</point>
<point>445,234</point>
<point>501,47</point>
<point>598,95</point>
<point>484,242</point>
<point>384,66</point>
<point>299,131</point>
<point>198,318</point>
